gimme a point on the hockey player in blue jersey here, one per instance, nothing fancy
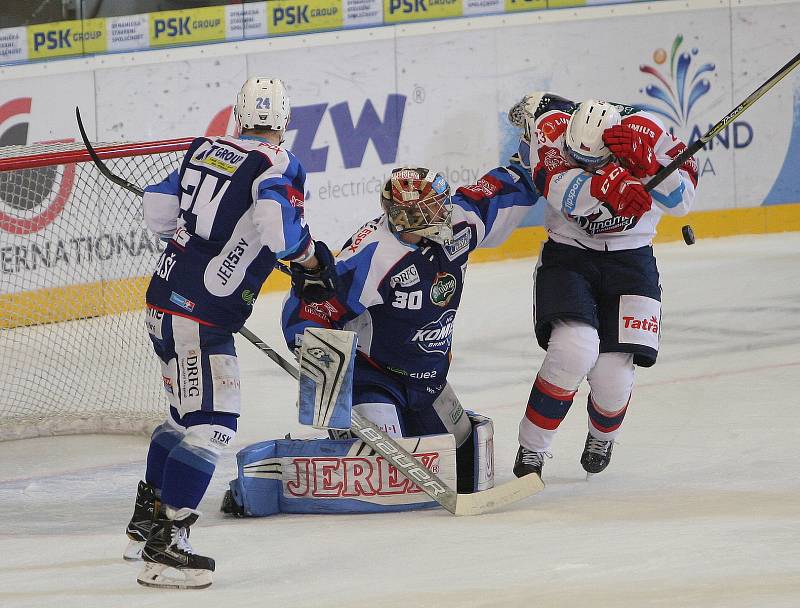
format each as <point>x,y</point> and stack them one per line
<point>400,282</point>
<point>597,296</point>
<point>228,214</point>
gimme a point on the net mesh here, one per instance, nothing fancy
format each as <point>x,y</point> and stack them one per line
<point>75,257</point>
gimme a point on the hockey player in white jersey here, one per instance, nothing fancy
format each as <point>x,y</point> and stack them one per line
<point>597,297</point>
<point>228,214</point>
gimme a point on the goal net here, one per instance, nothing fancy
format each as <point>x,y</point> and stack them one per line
<point>75,257</point>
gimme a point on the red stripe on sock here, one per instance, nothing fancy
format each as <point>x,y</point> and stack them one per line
<point>551,390</point>
<point>543,422</point>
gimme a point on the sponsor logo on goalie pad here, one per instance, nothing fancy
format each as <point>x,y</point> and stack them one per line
<point>344,476</point>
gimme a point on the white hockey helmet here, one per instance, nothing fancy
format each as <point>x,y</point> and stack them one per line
<point>262,104</point>
<point>417,201</point>
<point>584,136</point>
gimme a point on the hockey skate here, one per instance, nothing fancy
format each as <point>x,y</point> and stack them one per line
<point>596,455</point>
<point>138,529</point>
<point>169,561</point>
<point>528,462</point>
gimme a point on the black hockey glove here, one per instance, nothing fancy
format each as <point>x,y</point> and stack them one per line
<point>319,284</point>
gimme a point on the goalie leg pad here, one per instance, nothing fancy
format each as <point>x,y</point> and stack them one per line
<point>333,476</point>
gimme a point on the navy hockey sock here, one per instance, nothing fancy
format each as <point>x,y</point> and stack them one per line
<point>548,404</point>
<point>163,440</point>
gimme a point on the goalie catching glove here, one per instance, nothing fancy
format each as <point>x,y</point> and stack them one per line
<point>315,284</point>
<point>632,150</point>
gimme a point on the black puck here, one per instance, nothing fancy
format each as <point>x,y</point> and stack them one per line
<point>688,234</point>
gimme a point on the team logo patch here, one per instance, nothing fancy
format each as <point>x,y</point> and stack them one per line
<point>443,288</point>
<point>168,385</point>
<point>184,303</point>
<point>436,336</point>
<point>406,277</point>
<point>459,244</point>
<point>248,297</point>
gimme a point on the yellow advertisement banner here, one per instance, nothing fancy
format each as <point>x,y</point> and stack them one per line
<point>565,3</point>
<point>187,26</point>
<point>293,17</point>
<point>397,11</point>
<point>525,5</point>
<point>64,38</point>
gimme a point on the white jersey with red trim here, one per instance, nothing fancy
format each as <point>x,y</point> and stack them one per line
<point>573,216</point>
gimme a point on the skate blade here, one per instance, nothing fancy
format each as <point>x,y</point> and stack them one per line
<point>133,552</point>
<point>166,577</point>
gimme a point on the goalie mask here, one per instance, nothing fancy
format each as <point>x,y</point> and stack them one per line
<point>584,137</point>
<point>262,104</point>
<point>417,201</point>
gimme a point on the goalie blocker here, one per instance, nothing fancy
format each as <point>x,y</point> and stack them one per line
<point>346,475</point>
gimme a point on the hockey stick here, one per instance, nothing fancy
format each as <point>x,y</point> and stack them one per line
<point>457,504</point>
<point>101,166</point>
<point>733,114</point>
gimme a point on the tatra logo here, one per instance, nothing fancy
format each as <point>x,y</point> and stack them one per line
<point>650,324</point>
<point>350,476</point>
<point>443,288</point>
<point>30,199</point>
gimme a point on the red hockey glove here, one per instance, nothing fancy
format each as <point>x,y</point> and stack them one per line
<point>632,150</point>
<point>624,193</point>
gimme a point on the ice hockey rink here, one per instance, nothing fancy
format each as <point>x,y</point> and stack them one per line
<point>699,507</point>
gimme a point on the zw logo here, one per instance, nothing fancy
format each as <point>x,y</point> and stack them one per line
<point>321,355</point>
<point>353,133</point>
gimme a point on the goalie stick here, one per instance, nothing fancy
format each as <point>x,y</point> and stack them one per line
<point>457,504</point>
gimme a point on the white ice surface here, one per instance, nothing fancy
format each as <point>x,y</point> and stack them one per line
<point>700,506</point>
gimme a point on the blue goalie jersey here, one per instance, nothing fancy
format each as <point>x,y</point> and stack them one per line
<point>233,208</point>
<point>401,299</point>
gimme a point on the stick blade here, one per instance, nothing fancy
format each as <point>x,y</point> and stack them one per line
<point>499,496</point>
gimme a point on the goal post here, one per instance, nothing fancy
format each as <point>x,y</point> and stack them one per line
<point>75,257</point>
